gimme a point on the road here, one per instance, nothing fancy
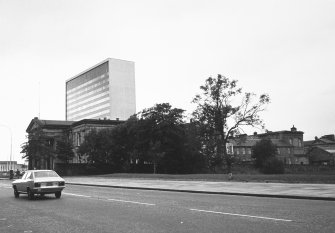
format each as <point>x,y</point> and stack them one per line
<point>86,209</point>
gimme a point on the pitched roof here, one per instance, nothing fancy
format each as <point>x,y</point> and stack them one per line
<point>280,132</point>
<point>318,142</point>
<point>97,121</point>
<point>308,143</point>
<point>49,123</point>
<point>56,122</point>
<point>60,124</point>
<point>324,140</point>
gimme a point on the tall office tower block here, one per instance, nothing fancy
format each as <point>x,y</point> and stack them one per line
<point>104,91</point>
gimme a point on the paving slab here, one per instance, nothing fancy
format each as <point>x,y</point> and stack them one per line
<point>280,190</point>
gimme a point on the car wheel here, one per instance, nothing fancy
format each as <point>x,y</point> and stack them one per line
<point>16,193</point>
<point>58,194</point>
<point>30,194</point>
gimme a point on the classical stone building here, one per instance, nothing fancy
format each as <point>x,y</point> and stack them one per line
<point>289,143</point>
<point>74,131</point>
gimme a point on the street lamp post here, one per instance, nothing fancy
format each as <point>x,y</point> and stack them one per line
<point>11,145</point>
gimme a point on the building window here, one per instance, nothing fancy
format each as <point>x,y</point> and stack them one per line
<point>237,151</point>
<point>278,151</point>
<point>299,143</point>
<point>288,151</point>
<point>243,151</point>
<point>291,141</point>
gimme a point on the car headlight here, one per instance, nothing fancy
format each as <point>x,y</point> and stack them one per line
<point>62,183</point>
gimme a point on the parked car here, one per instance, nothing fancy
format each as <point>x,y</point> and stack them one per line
<point>39,182</point>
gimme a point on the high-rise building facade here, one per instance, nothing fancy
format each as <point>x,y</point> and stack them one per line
<point>104,91</point>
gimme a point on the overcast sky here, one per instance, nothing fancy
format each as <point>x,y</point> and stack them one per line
<point>285,48</point>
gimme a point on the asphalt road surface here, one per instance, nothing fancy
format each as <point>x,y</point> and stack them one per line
<point>87,209</point>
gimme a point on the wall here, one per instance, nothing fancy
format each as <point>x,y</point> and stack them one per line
<point>122,89</point>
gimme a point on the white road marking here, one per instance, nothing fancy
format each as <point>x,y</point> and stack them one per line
<point>242,215</point>
<point>117,200</point>
<point>77,195</point>
<point>3,219</point>
<point>133,202</point>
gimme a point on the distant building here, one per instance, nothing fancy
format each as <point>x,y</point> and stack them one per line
<point>7,165</point>
<point>104,91</point>
<point>74,131</point>
<point>290,148</point>
<point>321,151</point>
<point>11,165</point>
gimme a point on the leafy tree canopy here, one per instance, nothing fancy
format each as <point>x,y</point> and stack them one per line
<point>223,109</point>
<point>37,147</point>
<point>161,132</point>
<point>64,149</point>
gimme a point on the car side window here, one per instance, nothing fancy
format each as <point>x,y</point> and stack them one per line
<point>24,176</point>
<point>27,176</point>
<point>31,176</point>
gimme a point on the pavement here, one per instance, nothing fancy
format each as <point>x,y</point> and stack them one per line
<point>276,190</point>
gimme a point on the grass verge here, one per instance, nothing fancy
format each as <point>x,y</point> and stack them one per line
<point>280,178</point>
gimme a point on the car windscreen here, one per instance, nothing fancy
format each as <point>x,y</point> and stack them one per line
<point>41,174</point>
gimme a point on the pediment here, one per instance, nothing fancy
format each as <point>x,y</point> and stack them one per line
<point>34,126</point>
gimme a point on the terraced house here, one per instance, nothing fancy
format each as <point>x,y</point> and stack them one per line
<point>321,151</point>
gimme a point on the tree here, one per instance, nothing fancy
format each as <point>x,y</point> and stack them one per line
<point>262,151</point>
<point>38,149</point>
<point>192,155</point>
<point>222,110</point>
<point>96,146</point>
<point>108,148</point>
<point>155,135</point>
<point>64,149</point>
<point>160,136</point>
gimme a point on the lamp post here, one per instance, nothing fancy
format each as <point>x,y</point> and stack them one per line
<point>11,145</point>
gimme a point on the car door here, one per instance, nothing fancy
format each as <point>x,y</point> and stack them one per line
<point>29,182</point>
<point>20,185</point>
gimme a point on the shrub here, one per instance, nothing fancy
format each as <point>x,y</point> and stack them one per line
<point>273,166</point>
<point>262,151</point>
